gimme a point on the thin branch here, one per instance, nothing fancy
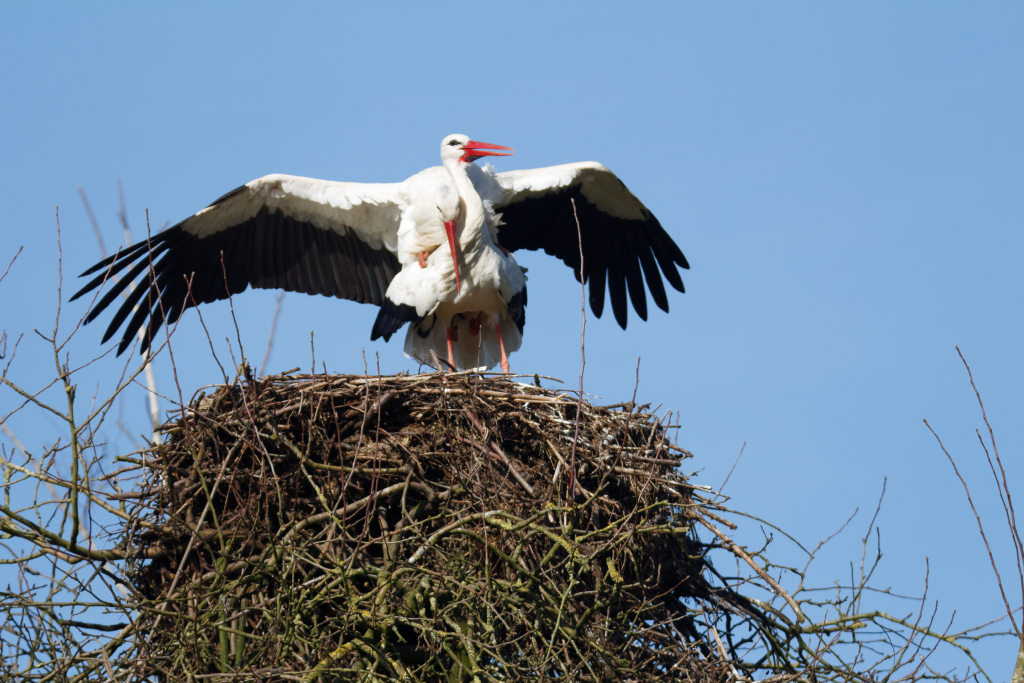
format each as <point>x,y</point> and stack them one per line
<point>1002,487</point>
<point>11,263</point>
<point>583,357</point>
<point>981,528</point>
<point>273,329</point>
<point>734,463</point>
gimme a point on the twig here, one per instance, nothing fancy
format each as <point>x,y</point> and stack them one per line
<point>583,356</point>
<point>981,528</point>
<point>753,565</point>
<point>92,221</point>
<point>11,263</point>
<point>1002,487</point>
<point>734,463</point>
<point>273,329</point>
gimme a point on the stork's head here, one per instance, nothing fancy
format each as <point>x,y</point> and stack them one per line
<point>461,148</point>
<point>447,199</point>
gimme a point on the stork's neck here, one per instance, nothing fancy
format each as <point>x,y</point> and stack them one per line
<point>471,220</point>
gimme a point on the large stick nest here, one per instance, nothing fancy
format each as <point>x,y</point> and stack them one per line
<point>341,527</point>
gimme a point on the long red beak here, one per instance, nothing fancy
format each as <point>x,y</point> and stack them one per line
<point>474,150</point>
<point>449,228</point>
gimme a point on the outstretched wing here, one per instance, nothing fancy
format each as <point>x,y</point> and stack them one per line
<point>276,232</point>
<point>620,236</point>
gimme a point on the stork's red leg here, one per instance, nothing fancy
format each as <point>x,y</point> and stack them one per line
<point>474,324</point>
<point>501,343</point>
<point>422,257</point>
<point>453,335</point>
<point>503,249</point>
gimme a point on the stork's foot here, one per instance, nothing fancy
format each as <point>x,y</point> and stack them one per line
<point>422,257</point>
<point>501,344</point>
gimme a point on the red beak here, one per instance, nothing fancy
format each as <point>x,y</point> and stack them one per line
<point>449,228</point>
<point>473,150</point>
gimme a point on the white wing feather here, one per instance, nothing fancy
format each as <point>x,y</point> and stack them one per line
<point>601,187</point>
<point>372,211</point>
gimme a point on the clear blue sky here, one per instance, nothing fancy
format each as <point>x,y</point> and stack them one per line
<point>846,181</point>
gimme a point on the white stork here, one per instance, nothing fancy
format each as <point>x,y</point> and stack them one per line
<point>351,240</point>
<point>492,297</point>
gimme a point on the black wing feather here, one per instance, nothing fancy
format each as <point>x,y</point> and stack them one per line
<point>634,279</point>
<point>126,308</point>
<point>150,301</point>
<point>317,282</point>
<point>114,291</point>
<point>391,317</point>
<point>622,252</point>
<point>121,253</point>
<point>517,308</point>
<point>241,261</point>
<point>269,251</point>
<point>651,273</point>
<point>617,291</point>
<point>663,246</point>
<point>597,274</point>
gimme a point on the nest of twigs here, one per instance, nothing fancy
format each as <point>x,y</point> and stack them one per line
<point>422,528</point>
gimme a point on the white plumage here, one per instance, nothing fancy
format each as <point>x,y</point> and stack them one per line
<point>469,286</point>
<point>432,250</point>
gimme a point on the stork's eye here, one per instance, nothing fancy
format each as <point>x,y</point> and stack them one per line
<point>453,143</point>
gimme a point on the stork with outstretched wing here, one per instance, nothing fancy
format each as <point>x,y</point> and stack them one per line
<point>380,244</point>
